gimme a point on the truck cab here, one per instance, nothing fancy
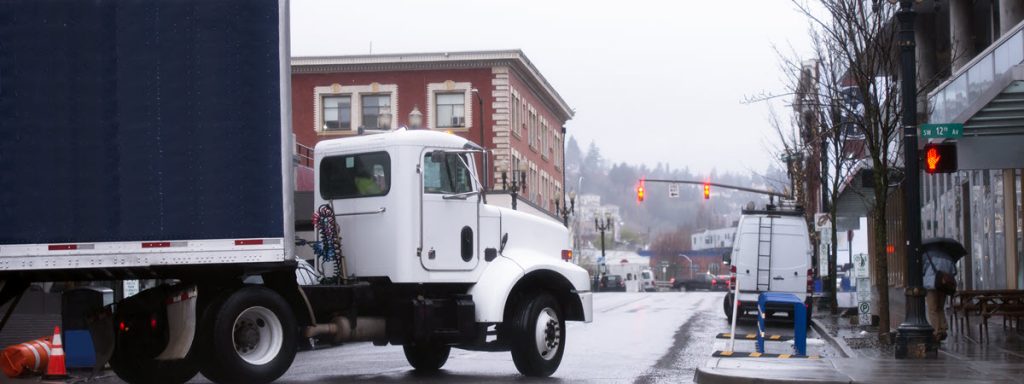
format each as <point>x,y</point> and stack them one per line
<point>411,215</point>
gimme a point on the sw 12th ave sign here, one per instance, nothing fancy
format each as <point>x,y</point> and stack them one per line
<point>942,131</point>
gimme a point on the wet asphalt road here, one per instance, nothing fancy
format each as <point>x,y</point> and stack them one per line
<point>658,337</point>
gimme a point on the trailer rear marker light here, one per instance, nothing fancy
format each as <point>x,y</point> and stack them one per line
<point>157,244</point>
<point>63,247</point>
<point>249,242</point>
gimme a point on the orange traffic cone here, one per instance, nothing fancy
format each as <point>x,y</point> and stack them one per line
<point>25,358</point>
<point>56,369</point>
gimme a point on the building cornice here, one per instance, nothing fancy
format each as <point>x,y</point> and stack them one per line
<point>514,59</point>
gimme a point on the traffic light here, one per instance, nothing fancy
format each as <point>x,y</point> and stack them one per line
<point>707,191</point>
<point>940,158</point>
<point>640,191</point>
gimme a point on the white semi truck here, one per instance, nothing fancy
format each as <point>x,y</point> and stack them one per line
<point>153,140</point>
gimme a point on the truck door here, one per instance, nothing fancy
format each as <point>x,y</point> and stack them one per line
<point>449,220</point>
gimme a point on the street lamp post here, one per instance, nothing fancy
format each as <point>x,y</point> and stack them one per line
<point>914,339</point>
<point>602,225</point>
<point>566,208</point>
<point>415,118</point>
<point>518,183</point>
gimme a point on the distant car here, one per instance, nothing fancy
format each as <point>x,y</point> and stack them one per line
<point>647,283</point>
<point>612,283</point>
<point>702,281</point>
<point>721,283</point>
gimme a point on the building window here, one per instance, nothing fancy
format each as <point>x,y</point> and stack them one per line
<point>451,110</point>
<point>373,107</point>
<point>337,112</point>
<point>340,109</point>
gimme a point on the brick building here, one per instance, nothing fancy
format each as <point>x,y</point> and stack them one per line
<point>494,98</point>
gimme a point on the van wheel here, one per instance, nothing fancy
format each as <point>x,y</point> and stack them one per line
<point>252,338</point>
<point>426,357</point>
<point>537,335</point>
<point>727,306</point>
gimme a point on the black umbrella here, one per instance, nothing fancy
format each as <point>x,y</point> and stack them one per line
<point>951,247</point>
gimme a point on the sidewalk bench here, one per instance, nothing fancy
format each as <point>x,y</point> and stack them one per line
<point>1008,303</point>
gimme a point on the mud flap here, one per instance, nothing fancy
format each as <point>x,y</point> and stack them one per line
<point>101,327</point>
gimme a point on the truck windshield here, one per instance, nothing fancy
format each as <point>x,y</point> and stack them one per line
<point>359,175</point>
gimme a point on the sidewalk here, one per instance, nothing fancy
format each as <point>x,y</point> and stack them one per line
<point>961,359</point>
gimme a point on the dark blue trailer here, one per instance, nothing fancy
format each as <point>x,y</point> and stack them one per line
<point>152,139</point>
<point>139,135</point>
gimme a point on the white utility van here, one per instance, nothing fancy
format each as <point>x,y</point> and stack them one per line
<point>647,283</point>
<point>771,253</point>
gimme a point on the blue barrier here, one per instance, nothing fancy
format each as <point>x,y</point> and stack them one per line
<point>799,319</point>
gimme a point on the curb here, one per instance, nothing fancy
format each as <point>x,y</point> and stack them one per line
<point>844,349</point>
<point>710,373</point>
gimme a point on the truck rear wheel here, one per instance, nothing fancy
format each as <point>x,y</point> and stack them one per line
<point>537,335</point>
<point>426,357</point>
<point>252,338</point>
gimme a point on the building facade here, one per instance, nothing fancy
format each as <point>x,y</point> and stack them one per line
<point>497,99</point>
<point>974,52</point>
<point>713,238</point>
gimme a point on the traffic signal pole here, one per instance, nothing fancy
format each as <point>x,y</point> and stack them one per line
<point>719,185</point>
<point>914,339</point>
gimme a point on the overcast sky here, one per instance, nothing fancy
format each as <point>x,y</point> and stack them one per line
<point>651,81</point>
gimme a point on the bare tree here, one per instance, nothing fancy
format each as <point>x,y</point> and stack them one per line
<point>859,36</point>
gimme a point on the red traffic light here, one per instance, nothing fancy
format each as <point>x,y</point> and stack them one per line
<point>707,191</point>
<point>640,191</point>
<point>940,158</point>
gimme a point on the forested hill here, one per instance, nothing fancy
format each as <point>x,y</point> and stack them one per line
<point>615,183</point>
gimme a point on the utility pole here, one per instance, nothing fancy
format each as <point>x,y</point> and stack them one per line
<point>602,225</point>
<point>914,339</point>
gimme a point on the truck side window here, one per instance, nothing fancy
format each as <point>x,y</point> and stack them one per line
<point>359,175</point>
<point>448,176</point>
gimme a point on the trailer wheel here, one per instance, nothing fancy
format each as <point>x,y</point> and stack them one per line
<point>252,338</point>
<point>537,335</point>
<point>426,357</point>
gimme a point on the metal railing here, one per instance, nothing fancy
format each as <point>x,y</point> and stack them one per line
<point>955,95</point>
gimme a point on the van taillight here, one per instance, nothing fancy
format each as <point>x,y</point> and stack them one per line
<point>810,280</point>
<point>732,276</point>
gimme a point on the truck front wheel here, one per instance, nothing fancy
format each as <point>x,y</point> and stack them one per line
<point>426,357</point>
<point>252,338</point>
<point>537,335</point>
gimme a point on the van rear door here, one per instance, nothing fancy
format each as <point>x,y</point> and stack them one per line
<point>790,258</point>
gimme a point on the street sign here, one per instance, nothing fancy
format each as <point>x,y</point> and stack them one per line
<point>822,221</point>
<point>942,131</point>
<point>131,287</point>
<point>673,190</point>
<point>860,266</point>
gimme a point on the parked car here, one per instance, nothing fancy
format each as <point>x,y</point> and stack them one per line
<point>702,281</point>
<point>721,283</point>
<point>612,283</point>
